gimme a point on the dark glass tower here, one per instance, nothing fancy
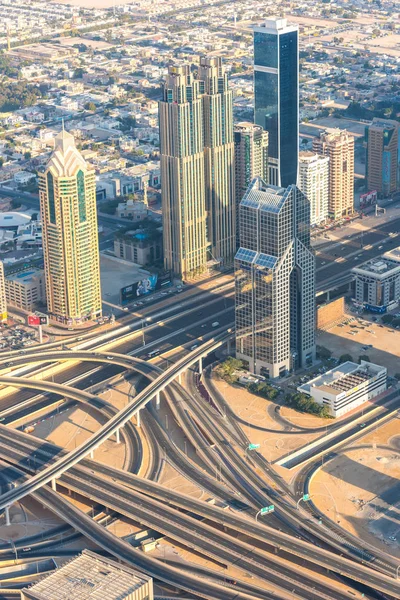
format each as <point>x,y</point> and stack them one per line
<point>276,94</point>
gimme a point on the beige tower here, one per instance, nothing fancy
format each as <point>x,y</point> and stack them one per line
<point>70,241</point>
<point>219,162</point>
<point>3,302</point>
<point>182,174</point>
<point>383,163</point>
<point>339,146</point>
<point>251,160</point>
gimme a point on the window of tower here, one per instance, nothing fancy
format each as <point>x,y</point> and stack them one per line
<point>50,190</point>
<point>80,179</point>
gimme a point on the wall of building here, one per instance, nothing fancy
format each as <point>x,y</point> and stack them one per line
<point>331,313</point>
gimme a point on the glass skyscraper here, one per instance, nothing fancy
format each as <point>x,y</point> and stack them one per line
<point>276,96</point>
<point>274,280</point>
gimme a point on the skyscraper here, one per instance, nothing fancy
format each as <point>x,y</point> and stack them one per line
<point>276,95</point>
<point>219,164</point>
<point>314,183</point>
<point>382,139</point>
<point>3,301</point>
<point>274,280</point>
<point>67,191</point>
<point>251,160</point>
<point>339,146</point>
<point>182,174</point>
<point>197,169</point>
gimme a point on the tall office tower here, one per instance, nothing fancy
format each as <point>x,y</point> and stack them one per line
<point>314,183</point>
<point>182,174</point>
<point>3,301</point>
<point>67,191</point>
<point>276,96</point>
<point>382,139</point>
<point>339,146</point>
<point>274,280</point>
<point>251,160</point>
<point>219,162</point>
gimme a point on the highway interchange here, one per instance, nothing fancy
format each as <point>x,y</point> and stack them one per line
<point>272,554</point>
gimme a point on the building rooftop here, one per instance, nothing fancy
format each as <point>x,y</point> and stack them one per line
<point>25,276</point>
<point>88,577</point>
<point>264,196</point>
<point>387,264</point>
<point>342,378</point>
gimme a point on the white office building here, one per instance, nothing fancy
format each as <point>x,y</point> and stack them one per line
<point>377,282</point>
<point>347,386</point>
<point>314,183</point>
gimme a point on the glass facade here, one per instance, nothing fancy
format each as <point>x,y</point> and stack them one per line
<point>276,97</point>
<point>275,280</point>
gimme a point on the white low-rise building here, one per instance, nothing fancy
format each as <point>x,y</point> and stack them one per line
<point>346,386</point>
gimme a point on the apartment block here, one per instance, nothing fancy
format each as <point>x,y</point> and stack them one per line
<point>338,145</point>
<point>382,141</point>
<point>314,183</point>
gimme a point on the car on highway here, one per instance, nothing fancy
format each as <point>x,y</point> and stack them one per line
<point>109,357</point>
<point>215,324</point>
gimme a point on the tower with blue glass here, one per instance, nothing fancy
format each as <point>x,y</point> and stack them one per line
<point>276,96</point>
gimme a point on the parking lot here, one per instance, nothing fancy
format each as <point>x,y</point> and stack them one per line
<point>14,337</point>
<point>364,336</point>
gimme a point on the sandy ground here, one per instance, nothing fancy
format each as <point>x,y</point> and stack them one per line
<point>356,128</point>
<point>350,487</point>
<point>95,44</point>
<point>254,411</point>
<point>100,4</point>
<point>385,344</point>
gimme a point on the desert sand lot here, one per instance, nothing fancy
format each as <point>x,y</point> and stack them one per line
<point>101,4</point>
<point>359,488</point>
<point>385,344</point>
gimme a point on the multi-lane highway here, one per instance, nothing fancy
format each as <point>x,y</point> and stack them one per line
<point>128,361</point>
<point>24,446</point>
<point>215,439</point>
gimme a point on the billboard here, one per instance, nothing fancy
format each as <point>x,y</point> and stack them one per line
<point>375,309</point>
<point>368,199</point>
<point>145,286</point>
<point>36,320</point>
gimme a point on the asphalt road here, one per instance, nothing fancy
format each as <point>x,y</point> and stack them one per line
<point>353,250</point>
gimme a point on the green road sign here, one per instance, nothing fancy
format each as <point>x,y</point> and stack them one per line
<point>267,509</point>
<point>253,446</point>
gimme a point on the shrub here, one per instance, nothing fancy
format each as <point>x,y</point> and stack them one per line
<point>304,403</point>
<point>345,358</point>
<point>323,353</point>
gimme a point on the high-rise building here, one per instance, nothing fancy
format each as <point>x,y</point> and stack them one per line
<point>382,139</point>
<point>197,169</point>
<point>251,160</point>
<point>339,146</point>
<point>219,162</point>
<point>314,183</point>
<point>276,96</point>
<point>182,174</point>
<point>67,191</point>
<point>3,300</point>
<point>274,280</point>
